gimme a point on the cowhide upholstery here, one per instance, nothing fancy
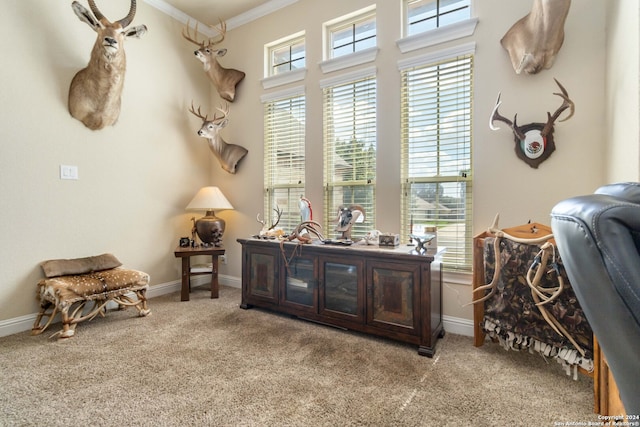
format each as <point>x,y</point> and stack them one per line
<point>71,283</point>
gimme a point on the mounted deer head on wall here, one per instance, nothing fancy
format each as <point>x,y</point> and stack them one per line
<point>534,142</point>
<point>95,91</point>
<point>229,155</point>
<point>225,80</point>
<point>534,41</point>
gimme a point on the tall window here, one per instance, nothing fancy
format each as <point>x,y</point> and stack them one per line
<point>350,150</point>
<point>287,55</point>
<point>424,15</point>
<point>436,155</point>
<point>284,159</point>
<point>352,34</point>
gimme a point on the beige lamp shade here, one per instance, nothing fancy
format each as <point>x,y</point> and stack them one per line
<point>210,228</point>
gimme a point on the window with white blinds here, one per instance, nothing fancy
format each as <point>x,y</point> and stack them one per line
<point>284,159</point>
<point>350,151</point>
<point>436,155</point>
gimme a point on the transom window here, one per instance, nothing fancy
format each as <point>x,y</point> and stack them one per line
<point>286,55</point>
<point>351,34</point>
<point>425,15</point>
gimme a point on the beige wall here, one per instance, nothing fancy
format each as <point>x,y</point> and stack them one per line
<point>502,183</point>
<point>136,177</point>
<point>623,86</point>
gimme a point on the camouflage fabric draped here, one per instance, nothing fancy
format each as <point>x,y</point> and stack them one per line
<point>512,316</point>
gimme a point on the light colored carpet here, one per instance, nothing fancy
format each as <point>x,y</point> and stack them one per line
<point>208,362</point>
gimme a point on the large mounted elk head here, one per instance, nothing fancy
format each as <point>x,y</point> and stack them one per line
<point>225,80</point>
<point>95,91</point>
<point>534,142</point>
<point>229,155</point>
<point>534,41</point>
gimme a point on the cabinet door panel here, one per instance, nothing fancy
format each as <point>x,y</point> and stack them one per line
<point>341,291</point>
<point>394,296</point>
<point>262,276</point>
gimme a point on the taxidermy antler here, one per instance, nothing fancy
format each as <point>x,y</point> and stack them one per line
<point>534,41</point>
<point>534,142</point>
<point>229,155</point>
<point>347,216</point>
<point>224,79</point>
<point>539,267</point>
<point>265,227</point>
<point>95,91</point>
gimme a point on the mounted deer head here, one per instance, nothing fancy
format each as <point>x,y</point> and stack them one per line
<point>534,41</point>
<point>225,80</point>
<point>229,155</point>
<point>95,91</point>
<point>534,142</point>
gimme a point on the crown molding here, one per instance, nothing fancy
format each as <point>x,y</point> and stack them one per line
<point>258,12</point>
<point>234,22</point>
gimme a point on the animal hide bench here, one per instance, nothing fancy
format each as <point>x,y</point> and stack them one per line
<point>70,284</point>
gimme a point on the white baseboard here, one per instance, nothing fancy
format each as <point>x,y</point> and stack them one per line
<point>454,325</point>
<point>458,325</point>
<point>25,323</point>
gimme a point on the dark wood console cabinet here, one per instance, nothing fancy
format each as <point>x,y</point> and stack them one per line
<point>387,292</point>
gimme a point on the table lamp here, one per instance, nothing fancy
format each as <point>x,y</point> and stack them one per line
<point>210,228</point>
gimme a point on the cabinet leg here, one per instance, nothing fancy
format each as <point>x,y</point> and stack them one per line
<point>426,351</point>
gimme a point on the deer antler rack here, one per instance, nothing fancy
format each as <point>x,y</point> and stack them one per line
<point>186,33</point>
<point>198,114</point>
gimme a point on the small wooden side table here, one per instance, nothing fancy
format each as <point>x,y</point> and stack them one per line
<point>186,254</point>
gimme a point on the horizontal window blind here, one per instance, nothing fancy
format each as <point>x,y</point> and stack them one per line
<point>284,160</point>
<point>436,155</point>
<point>350,140</point>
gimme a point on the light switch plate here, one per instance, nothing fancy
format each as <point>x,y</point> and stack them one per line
<point>68,172</point>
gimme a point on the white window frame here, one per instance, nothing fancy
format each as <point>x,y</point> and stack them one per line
<point>350,20</point>
<point>281,191</point>
<point>287,42</point>
<point>365,110</point>
<point>440,34</point>
<point>439,13</point>
<point>453,233</point>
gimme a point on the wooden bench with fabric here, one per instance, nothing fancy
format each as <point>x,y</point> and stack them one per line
<point>70,284</point>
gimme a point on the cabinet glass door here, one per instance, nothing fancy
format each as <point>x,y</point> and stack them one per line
<point>300,282</point>
<point>394,296</point>
<point>341,294</point>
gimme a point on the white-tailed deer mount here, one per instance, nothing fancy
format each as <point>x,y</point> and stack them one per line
<point>534,41</point>
<point>229,155</point>
<point>225,80</point>
<point>95,91</point>
<point>534,142</point>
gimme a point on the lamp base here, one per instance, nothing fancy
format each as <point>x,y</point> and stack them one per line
<point>210,229</point>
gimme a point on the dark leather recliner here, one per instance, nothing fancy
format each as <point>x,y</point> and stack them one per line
<point>598,237</point>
